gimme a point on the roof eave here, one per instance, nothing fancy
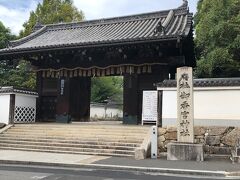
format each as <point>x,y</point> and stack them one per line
<point>25,39</point>
<point>10,52</point>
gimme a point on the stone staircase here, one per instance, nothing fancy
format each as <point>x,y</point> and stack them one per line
<point>106,140</point>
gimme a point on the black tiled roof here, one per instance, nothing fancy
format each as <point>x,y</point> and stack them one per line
<point>214,82</point>
<point>13,90</point>
<point>155,26</point>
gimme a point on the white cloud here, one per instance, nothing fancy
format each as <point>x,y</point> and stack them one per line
<point>14,18</point>
<point>91,8</point>
<point>94,9</point>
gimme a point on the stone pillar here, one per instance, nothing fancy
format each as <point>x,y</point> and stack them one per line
<point>185,105</point>
<point>185,149</point>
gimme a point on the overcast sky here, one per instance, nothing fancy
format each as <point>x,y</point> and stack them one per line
<point>13,13</point>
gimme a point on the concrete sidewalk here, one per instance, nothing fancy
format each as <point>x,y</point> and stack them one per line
<point>220,167</point>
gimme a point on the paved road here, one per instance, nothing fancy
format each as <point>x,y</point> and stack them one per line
<point>16,172</point>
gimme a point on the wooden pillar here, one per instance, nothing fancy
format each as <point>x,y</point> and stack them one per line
<point>80,95</point>
<point>134,85</point>
<point>130,99</point>
<point>73,100</point>
<point>63,103</point>
<point>39,99</point>
<point>12,108</point>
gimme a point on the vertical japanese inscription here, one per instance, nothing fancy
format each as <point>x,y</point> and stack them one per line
<point>62,83</point>
<point>185,105</point>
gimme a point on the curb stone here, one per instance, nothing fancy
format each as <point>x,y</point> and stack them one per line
<point>233,174</point>
<point>129,168</point>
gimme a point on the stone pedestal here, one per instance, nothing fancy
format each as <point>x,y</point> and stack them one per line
<point>185,151</point>
<point>236,155</point>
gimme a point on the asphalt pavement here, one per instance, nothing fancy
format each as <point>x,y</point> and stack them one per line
<point>211,167</point>
<point>210,163</point>
<point>23,172</point>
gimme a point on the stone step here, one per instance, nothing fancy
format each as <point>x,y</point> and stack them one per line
<point>70,145</point>
<point>109,140</point>
<point>67,136</point>
<point>112,139</point>
<point>107,131</point>
<point>81,141</point>
<point>75,133</point>
<point>52,134</point>
<point>79,125</point>
<point>78,130</point>
<point>74,149</point>
<point>82,136</point>
<point>66,152</point>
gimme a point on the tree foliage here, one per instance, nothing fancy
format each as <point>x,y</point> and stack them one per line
<point>52,11</point>
<point>217,25</point>
<point>12,73</point>
<point>16,74</point>
<point>5,35</point>
<point>107,89</point>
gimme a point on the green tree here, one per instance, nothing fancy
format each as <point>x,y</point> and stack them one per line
<point>107,88</point>
<point>5,35</point>
<point>16,74</point>
<point>52,11</point>
<point>217,25</point>
<point>5,66</point>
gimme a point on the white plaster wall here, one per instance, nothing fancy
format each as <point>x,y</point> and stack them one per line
<point>111,112</point>
<point>4,108</point>
<point>169,104</point>
<point>25,100</point>
<point>224,104</point>
<point>213,107</point>
<point>99,112</point>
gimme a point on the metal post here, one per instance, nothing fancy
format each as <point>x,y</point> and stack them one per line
<point>154,144</point>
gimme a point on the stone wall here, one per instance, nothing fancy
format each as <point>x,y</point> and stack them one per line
<point>216,140</point>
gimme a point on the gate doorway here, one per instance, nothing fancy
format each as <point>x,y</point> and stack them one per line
<point>106,98</point>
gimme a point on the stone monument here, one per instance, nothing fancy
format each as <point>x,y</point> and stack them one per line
<point>185,105</point>
<point>184,148</point>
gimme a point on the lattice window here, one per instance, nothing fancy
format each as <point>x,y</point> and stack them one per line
<point>24,114</point>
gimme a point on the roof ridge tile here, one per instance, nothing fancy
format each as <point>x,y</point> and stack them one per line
<point>210,82</point>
